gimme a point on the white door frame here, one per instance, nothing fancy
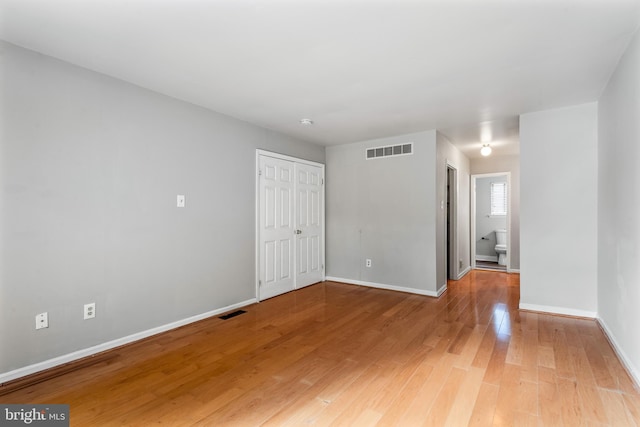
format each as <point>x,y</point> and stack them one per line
<point>260,153</point>
<point>473,215</point>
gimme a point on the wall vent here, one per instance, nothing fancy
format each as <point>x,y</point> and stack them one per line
<point>390,150</point>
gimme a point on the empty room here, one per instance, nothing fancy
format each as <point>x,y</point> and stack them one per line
<point>359,213</point>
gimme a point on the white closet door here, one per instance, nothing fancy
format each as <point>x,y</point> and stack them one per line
<point>276,229</point>
<point>309,221</point>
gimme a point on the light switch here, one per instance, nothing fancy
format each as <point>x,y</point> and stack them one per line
<point>181,200</point>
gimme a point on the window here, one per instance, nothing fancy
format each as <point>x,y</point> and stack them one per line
<point>498,198</point>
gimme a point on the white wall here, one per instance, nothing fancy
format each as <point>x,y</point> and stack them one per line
<point>619,208</point>
<point>448,154</point>
<point>384,210</point>
<point>558,232</point>
<point>90,169</point>
<point>493,164</point>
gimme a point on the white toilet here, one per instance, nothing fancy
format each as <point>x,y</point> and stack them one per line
<point>501,246</point>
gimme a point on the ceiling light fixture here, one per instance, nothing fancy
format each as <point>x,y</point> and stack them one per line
<point>306,122</point>
<point>485,150</point>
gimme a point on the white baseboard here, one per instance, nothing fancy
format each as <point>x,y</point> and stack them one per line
<point>389,287</point>
<point>70,357</point>
<point>513,270</point>
<point>559,310</point>
<point>464,272</point>
<point>490,258</point>
<point>633,371</point>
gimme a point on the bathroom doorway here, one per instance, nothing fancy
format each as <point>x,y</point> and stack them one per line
<point>490,221</point>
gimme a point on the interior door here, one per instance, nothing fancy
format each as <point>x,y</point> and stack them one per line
<point>309,222</point>
<point>276,216</point>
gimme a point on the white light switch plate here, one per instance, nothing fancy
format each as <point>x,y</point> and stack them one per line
<point>181,200</point>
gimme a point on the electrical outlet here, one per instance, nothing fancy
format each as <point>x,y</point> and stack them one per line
<point>89,310</point>
<point>42,320</point>
<point>367,262</point>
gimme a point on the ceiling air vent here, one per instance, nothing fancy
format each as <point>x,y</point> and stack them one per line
<point>390,150</point>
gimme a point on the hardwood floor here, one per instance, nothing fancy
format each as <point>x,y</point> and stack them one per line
<point>336,354</point>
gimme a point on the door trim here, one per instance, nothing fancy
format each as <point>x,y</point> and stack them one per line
<point>473,216</point>
<point>452,263</point>
<point>259,153</point>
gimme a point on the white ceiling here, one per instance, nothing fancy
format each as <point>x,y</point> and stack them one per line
<point>359,69</point>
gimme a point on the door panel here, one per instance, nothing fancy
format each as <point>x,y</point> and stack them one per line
<point>314,244</point>
<point>303,259</point>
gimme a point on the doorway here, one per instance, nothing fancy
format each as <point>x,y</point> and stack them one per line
<point>490,221</point>
<point>451,198</point>
<point>289,224</point>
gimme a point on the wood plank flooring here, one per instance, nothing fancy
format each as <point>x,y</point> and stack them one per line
<point>336,354</point>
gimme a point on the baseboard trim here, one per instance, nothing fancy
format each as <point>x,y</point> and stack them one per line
<point>634,372</point>
<point>464,272</point>
<point>388,287</point>
<point>513,270</point>
<point>559,310</point>
<point>90,351</point>
<point>486,258</point>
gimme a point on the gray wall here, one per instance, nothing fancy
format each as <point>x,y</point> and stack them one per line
<point>383,209</point>
<point>493,164</point>
<point>619,207</point>
<point>90,170</point>
<point>486,225</point>
<point>559,215</point>
<point>448,154</point>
